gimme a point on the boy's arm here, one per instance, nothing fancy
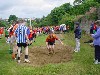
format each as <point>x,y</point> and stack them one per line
<point>60,41</point>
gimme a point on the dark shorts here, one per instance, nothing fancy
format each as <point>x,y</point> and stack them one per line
<point>31,38</point>
<point>34,35</point>
<point>22,45</point>
<point>6,36</point>
<point>91,31</point>
<point>51,43</point>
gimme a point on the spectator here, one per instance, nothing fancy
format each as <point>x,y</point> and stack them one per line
<point>96,43</point>
<point>77,32</point>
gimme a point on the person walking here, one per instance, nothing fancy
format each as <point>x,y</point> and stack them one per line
<point>22,40</point>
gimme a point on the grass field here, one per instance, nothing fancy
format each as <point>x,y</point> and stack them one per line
<point>81,64</point>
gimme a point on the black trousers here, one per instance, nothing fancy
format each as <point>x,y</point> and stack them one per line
<point>97,53</point>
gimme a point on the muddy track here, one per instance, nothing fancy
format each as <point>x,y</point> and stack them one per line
<point>39,55</point>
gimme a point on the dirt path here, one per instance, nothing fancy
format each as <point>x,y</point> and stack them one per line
<point>39,55</point>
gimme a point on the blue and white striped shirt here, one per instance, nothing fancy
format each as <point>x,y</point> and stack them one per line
<point>21,33</point>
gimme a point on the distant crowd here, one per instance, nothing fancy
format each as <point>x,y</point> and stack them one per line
<point>19,35</point>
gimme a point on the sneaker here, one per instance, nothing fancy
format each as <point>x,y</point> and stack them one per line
<point>75,50</point>
<point>26,60</point>
<point>7,41</point>
<point>96,62</point>
<point>18,61</point>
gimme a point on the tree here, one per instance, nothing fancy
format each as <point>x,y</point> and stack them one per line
<point>67,13</point>
<point>78,2</point>
<point>58,12</point>
<point>97,1</point>
<point>12,18</point>
<point>2,24</point>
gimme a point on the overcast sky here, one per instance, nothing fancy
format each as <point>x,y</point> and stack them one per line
<point>29,8</point>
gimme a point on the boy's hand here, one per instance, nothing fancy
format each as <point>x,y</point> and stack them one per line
<point>62,43</point>
<point>91,34</point>
<point>28,41</point>
<point>47,47</point>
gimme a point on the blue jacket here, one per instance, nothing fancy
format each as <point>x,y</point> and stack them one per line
<point>77,32</point>
<point>96,37</point>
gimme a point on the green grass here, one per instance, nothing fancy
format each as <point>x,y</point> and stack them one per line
<point>40,40</point>
<point>81,63</point>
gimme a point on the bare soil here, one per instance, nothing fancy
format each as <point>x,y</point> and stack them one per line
<point>39,55</point>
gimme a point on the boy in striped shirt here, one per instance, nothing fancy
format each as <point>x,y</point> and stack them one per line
<point>22,40</point>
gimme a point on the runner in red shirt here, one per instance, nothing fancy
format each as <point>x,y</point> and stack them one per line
<point>30,36</point>
<point>50,42</point>
<point>34,34</point>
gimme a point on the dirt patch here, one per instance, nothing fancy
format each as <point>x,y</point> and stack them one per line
<point>40,56</point>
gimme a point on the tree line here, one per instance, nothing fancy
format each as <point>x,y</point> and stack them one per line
<point>66,13</point>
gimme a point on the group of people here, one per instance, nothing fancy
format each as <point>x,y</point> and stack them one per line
<point>18,35</point>
<point>58,29</point>
<point>95,34</point>
<point>96,41</point>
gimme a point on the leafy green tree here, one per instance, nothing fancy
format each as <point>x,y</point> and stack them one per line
<point>67,13</point>
<point>97,1</point>
<point>58,12</point>
<point>12,18</point>
<point>78,2</point>
<point>2,23</point>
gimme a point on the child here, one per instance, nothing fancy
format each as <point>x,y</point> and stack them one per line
<point>77,32</point>
<point>30,36</point>
<point>50,42</point>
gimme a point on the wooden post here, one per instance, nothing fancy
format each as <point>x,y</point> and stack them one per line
<point>30,22</point>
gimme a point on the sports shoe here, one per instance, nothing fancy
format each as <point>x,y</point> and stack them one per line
<point>7,41</point>
<point>75,50</point>
<point>18,61</point>
<point>26,60</point>
<point>96,62</point>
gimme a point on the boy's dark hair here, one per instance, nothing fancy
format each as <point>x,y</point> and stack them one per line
<point>77,23</point>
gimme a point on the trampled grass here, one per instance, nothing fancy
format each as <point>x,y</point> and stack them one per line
<point>81,64</point>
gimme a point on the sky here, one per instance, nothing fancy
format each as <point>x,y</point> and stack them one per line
<point>29,8</point>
